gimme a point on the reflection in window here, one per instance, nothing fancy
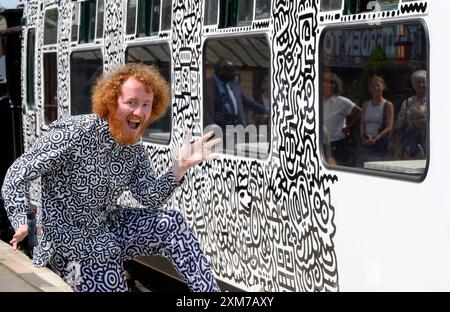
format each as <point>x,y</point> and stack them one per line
<point>211,7</point>
<point>85,67</point>
<point>50,87</point>
<point>75,21</point>
<point>236,12</point>
<point>228,13</point>
<point>149,12</point>
<point>51,26</point>
<point>100,13</point>
<point>30,68</point>
<point>262,9</point>
<point>131,17</point>
<point>158,55</point>
<point>166,15</point>
<point>245,15</point>
<point>360,6</point>
<point>237,94</point>
<point>329,5</point>
<point>87,21</point>
<point>156,7</point>
<point>383,71</point>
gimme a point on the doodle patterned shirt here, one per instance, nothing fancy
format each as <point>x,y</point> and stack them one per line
<point>83,171</point>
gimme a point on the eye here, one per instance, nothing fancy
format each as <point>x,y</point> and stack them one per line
<point>130,103</point>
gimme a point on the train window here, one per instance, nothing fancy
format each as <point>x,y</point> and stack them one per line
<point>360,6</point>
<point>237,94</point>
<point>229,16</point>
<point>148,18</point>
<point>50,87</point>
<point>131,17</point>
<point>100,13</point>
<point>211,7</point>
<point>374,103</point>
<point>329,5</point>
<point>234,13</point>
<point>31,37</point>
<point>85,67</point>
<point>245,12</point>
<point>75,21</point>
<point>166,14</point>
<point>88,16</point>
<point>51,26</point>
<point>158,55</point>
<point>262,9</point>
<point>50,65</point>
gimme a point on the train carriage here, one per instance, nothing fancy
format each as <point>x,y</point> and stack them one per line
<point>277,211</point>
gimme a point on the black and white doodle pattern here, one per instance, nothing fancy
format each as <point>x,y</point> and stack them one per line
<point>268,222</point>
<point>83,171</point>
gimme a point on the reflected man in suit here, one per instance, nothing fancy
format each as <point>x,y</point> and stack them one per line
<point>226,101</point>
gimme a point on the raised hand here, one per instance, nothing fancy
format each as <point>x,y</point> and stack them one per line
<point>191,154</point>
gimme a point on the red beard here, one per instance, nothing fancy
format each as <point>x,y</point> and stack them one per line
<point>116,125</point>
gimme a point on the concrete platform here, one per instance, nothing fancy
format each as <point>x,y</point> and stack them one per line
<point>17,274</point>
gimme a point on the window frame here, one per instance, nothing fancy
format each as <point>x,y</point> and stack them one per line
<point>30,92</point>
<point>207,13</point>
<point>270,127</point>
<point>97,37</point>
<point>52,44</point>
<point>135,18</point>
<point>49,48</point>
<point>84,22</point>
<point>75,6</point>
<point>144,11</point>
<point>367,171</point>
<point>83,49</point>
<point>161,16</point>
<point>262,18</point>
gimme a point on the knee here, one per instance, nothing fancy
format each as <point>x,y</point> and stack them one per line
<point>175,221</point>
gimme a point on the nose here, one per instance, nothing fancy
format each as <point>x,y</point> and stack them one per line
<point>139,111</point>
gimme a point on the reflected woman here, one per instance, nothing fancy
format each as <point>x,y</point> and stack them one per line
<point>336,110</point>
<point>403,124</point>
<point>376,123</point>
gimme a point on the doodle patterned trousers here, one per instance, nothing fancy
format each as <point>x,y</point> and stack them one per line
<point>142,232</point>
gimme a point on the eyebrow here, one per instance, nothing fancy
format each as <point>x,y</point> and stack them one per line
<point>125,99</point>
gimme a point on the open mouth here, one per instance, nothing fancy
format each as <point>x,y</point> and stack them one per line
<point>134,123</point>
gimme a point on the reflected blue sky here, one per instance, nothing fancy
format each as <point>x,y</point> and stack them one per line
<point>9,4</point>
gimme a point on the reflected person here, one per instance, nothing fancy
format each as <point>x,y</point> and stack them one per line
<point>336,129</point>
<point>225,98</point>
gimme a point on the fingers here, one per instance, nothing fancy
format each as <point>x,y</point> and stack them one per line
<point>213,143</point>
<point>205,137</point>
<point>14,243</point>
<point>19,235</point>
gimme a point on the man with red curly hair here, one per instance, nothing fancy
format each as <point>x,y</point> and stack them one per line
<point>85,163</point>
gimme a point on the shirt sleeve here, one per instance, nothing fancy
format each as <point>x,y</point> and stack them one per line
<point>47,154</point>
<point>348,105</point>
<point>147,189</point>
